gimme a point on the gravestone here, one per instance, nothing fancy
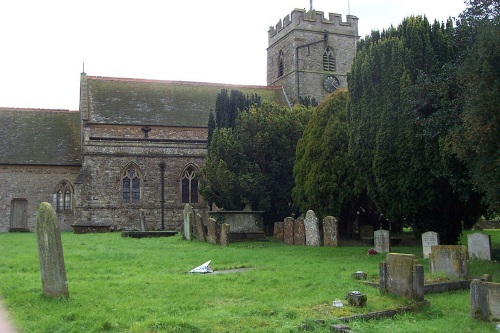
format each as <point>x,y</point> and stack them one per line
<point>450,260</point>
<point>212,232</point>
<point>187,215</point>
<point>330,231</point>
<point>382,241</point>
<point>224,234</point>
<point>142,218</point>
<point>299,232</point>
<point>479,246</point>
<point>50,253</point>
<point>288,230</point>
<point>311,226</point>
<point>429,239</point>
<point>366,233</point>
<point>401,275</point>
<point>199,227</point>
<point>485,300</point>
<point>279,232</point>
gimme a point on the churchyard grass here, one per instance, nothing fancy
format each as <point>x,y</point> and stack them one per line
<point>141,285</point>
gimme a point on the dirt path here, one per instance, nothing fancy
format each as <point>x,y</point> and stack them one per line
<point>5,324</point>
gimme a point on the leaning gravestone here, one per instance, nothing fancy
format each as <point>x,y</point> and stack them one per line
<point>479,246</point>
<point>299,232</point>
<point>401,275</point>
<point>311,225</point>
<point>450,260</point>
<point>279,232</point>
<point>188,215</point>
<point>199,227</point>
<point>50,253</point>
<point>288,230</point>
<point>212,231</point>
<point>330,231</point>
<point>429,239</point>
<point>382,241</point>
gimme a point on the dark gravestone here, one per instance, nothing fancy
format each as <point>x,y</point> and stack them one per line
<point>288,230</point>
<point>224,234</point>
<point>330,231</point>
<point>279,232</point>
<point>299,232</point>
<point>50,253</point>
<point>199,227</point>
<point>311,224</point>
<point>212,232</point>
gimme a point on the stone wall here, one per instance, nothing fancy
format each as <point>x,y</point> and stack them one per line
<point>35,184</point>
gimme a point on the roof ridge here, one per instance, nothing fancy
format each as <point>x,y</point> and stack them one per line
<point>34,109</point>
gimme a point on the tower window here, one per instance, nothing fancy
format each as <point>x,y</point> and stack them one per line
<point>281,60</point>
<point>64,195</point>
<point>131,184</point>
<point>189,185</point>
<point>328,60</point>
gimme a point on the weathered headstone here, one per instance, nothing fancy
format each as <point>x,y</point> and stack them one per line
<point>311,227</point>
<point>450,260</point>
<point>187,215</point>
<point>279,232</point>
<point>330,231</point>
<point>299,232</point>
<point>479,246</point>
<point>429,239</point>
<point>199,227</point>
<point>224,234</point>
<point>212,227</point>
<point>382,241</point>
<point>401,275</point>
<point>288,230</point>
<point>50,253</point>
<point>142,218</point>
<point>366,233</point>
<point>485,300</point>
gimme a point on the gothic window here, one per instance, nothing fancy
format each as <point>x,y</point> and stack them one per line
<point>131,184</point>
<point>189,185</point>
<point>281,60</point>
<point>64,195</point>
<point>328,60</point>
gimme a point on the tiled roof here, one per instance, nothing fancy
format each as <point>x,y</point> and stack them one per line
<point>39,137</point>
<point>162,103</point>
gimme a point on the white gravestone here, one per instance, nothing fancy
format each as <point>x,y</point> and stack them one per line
<point>382,241</point>
<point>429,239</point>
<point>479,246</point>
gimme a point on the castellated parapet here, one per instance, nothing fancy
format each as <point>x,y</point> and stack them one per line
<point>313,20</point>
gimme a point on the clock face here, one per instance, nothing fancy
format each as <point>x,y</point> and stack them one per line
<point>331,83</point>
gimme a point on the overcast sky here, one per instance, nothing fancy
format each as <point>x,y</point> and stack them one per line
<point>44,43</point>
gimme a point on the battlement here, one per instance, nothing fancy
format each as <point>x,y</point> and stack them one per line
<point>313,20</point>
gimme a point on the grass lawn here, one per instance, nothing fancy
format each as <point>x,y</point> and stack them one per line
<point>141,285</point>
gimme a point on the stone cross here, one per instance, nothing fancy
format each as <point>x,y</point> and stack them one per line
<point>311,225</point>
<point>50,253</point>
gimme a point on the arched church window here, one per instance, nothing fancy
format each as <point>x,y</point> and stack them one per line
<point>64,196</point>
<point>281,66</point>
<point>328,60</point>
<point>131,184</point>
<point>189,185</point>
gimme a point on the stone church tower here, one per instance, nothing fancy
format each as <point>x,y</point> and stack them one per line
<point>310,55</point>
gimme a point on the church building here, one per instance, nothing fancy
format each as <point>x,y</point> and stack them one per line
<point>133,149</point>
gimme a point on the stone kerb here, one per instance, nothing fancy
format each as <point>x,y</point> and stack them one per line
<point>50,253</point>
<point>485,300</point>
<point>479,246</point>
<point>429,239</point>
<point>311,226</point>
<point>330,231</point>
<point>401,275</point>
<point>451,260</point>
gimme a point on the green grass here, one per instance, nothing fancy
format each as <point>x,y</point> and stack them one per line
<point>141,285</point>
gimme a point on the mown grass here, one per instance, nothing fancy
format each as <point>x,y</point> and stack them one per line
<point>141,285</point>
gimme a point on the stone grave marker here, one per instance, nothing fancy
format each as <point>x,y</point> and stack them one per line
<point>401,275</point>
<point>50,253</point>
<point>188,215</point>
<point>330,231</point>
<point>382,241</point>
<point>288,230</point>
<point>224,234</point>
<point>311,226</point>
<point>429,239</point>
<point>212,232</point>
<point>366,233</point>
<point>479,246</point>
<point>199,227</point>
<point>449,259</point>
<point>279,232</point>
<point>142,218</point>
<point>485,300</point>
<point>299,232</point>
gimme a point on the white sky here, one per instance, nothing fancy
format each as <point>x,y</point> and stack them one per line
<point>44,43</point>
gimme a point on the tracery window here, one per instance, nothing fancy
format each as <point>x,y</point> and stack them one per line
<point>64,196</point>
<point>189,185</point>
<point>328,60</point>
<point>281,60</point>
<point>131,184</point>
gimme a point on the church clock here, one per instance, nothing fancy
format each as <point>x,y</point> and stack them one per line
<point>330,83</point>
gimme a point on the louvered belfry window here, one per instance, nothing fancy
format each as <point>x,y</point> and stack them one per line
<point>328,60</point>
<point>281,65</point>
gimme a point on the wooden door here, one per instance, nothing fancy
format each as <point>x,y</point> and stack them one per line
<point>19,215</point>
